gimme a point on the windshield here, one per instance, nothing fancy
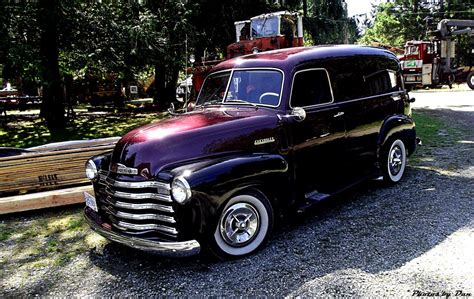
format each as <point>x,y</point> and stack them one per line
<point>256,87</point>
<point>265,27</point>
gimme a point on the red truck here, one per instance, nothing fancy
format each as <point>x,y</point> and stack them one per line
<point>271,31</point>
<point>429,63</point>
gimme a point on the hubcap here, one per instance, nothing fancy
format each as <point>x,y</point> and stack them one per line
<point>472,80</point>
<point>240,224</point>
<point>395,160</point>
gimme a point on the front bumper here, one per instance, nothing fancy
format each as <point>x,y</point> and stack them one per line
<point>174,249</point>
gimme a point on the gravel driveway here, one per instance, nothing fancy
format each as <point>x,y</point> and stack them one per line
<point>410,239</point>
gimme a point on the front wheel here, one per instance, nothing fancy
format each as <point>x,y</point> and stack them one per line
<point>394,161</point>
<point>244,225</point>
<point>470,80</point>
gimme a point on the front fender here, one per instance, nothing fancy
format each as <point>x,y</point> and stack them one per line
<point>217,175</point>
<point>214,181</point>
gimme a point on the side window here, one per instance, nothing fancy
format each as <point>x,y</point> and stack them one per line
<point>311,87</point>
<point>381,82</point>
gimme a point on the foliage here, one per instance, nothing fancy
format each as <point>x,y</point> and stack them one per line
<point>401,20</point>
<point>387,28</point>
<point>27,130</point>
<point>326,22</point>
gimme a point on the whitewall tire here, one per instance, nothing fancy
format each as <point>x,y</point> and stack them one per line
<point>395,159</point>
<point>244,225</point>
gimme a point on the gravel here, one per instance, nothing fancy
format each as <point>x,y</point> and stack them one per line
<point>413,238</point>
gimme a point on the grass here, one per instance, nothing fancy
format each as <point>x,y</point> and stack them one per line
<point>45,239</point>
<point>53,238</point>
<point>27,130</point>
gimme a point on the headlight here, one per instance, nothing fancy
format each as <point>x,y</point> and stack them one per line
<point>91,170</point>
<point>180,190</point>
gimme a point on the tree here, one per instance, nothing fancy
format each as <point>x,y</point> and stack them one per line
<point>402,20</point>
<point>326,21</point>
<point>52,108</point>
<point>386,29</point>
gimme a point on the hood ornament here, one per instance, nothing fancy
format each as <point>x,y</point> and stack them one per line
<point>122,169</point>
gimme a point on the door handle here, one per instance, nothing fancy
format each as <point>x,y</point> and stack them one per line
<point>324,135</point>
<point>338,114</point>
<point>396,98</point>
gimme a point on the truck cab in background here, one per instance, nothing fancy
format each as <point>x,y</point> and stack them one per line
<point>266,32</point>
<point>271,31</point>
<point>430,63</point>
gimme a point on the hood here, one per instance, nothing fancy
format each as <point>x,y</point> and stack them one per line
<point>196,135</point>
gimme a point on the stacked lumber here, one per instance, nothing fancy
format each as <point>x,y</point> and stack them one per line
<point>49,167</point>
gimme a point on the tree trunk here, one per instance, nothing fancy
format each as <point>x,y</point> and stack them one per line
<point>52,108</point>
<point>165,84</point>
<point>305,8</point>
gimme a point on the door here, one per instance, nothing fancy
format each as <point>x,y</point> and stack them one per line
<point>318,140</point>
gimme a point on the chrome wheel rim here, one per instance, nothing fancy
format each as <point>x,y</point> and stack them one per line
<point>472,80</point>
<point>395,161</point>
<point>240,224</point>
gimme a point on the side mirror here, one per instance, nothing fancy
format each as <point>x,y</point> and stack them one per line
<point>411,100</point>
<point>299,114</point>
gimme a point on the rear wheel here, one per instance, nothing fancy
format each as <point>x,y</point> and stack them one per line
<point>394,161</point>
<point>244,225</point>
<point>470,80</point>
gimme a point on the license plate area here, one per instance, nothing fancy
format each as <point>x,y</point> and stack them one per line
<point>91,202</point>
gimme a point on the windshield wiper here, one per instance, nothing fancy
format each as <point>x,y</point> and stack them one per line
<point>242,102</point>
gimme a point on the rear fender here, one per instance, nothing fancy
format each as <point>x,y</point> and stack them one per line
<point>397,125</point>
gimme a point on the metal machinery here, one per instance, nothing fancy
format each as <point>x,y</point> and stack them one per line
<point>429,63</point>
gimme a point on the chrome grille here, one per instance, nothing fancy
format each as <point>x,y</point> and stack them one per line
<point>137,207</point>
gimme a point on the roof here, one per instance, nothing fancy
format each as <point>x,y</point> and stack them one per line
<point>288,58</point>
<point>273,14</point>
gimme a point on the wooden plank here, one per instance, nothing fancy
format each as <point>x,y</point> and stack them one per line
<point>51,166</point>
<point>42,156</point>
<point>42,200</point>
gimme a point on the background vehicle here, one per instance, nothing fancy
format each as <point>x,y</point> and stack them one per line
<point>429,63</point>
<point>261,33</point>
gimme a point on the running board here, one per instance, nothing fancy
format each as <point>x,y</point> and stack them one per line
<point>315,196</point>
<point>311,198</point>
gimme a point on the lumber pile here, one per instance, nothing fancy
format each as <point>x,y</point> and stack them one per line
<point>45,168</point>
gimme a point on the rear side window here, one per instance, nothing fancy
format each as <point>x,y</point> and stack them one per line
<point>363,76</point>
<point>311,87</point>
<point>381,82</point>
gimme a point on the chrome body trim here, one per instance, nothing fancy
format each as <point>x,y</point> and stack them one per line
<point>140,206</point>
<point>176,249</point>
<point>130,216</point>
<point>126,195</point>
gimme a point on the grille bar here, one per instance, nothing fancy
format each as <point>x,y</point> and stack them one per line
<point>126,195</point>
<point>130,216</point>
<point>134,185</point>
<point>126,225</point>
<point>140,206</point>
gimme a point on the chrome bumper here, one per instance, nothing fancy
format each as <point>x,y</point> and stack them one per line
<point>174,249</point>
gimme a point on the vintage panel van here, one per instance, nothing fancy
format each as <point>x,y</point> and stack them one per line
<point>270,133</point>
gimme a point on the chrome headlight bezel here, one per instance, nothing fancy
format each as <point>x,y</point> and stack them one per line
<point>180,190</point>
<point>91,170</point>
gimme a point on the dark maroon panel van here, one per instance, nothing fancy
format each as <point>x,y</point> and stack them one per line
<point>270,133</point>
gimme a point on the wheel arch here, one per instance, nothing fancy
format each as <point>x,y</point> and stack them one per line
<point>397,126</point>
